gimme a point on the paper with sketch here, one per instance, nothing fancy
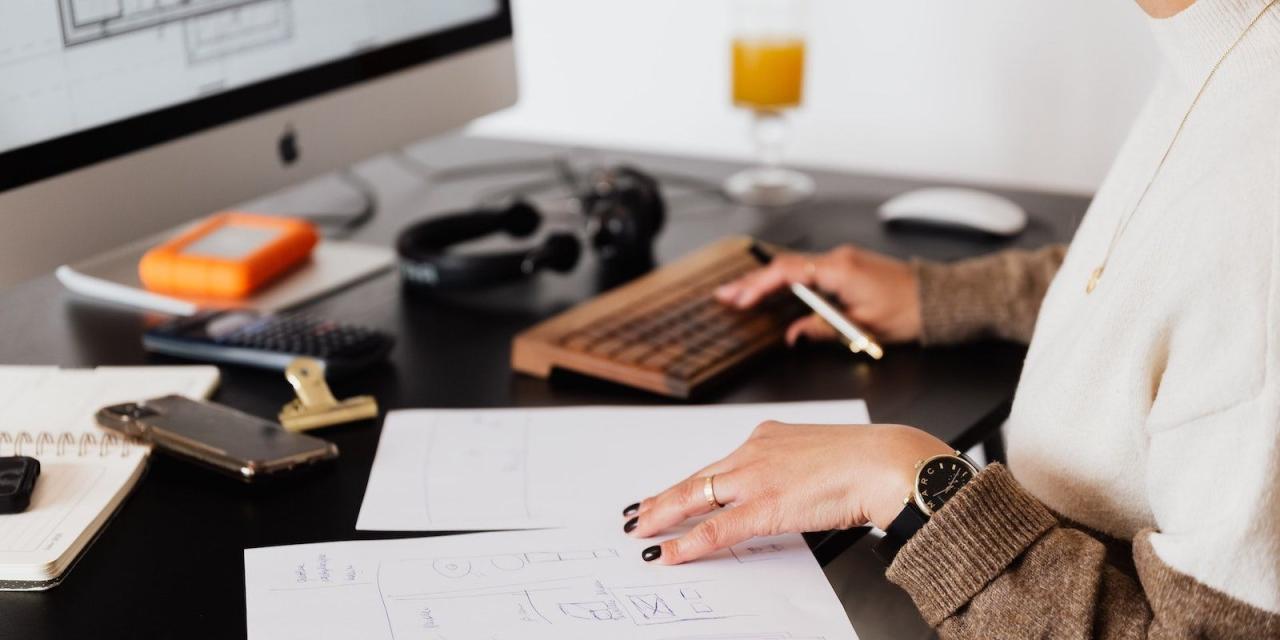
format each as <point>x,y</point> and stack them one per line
<point>458,470</point>
<point>528,585</point>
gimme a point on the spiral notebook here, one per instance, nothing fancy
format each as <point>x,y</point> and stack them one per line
<point>85,472</point>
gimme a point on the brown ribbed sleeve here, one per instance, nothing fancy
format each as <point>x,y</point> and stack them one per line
<point>995,296</point>
<point>995,563</point>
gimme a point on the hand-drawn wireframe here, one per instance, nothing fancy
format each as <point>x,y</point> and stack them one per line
<point>668,603</point>
<point>597,610</point>
<point>534,589</point>
<point>212,28</point>
<point>471,587</point>
<point>511,562</point>
<point>452,567</point>
<point>651,606</point>
<point>756,551</point>
<point>557,602</point>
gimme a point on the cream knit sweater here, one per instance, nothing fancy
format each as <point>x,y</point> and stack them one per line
<point>1154,402</point>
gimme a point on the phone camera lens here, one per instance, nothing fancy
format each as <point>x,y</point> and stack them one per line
<point>132,411</point>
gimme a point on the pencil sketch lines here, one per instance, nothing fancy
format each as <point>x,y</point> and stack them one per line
<point>596,610</point>
<point>459,449</point>
<point>757,552</point>
<point>651,606</point>
<point>565,601</point>
<point>455,568</point>
<point>667,603</point>
<point>452,568</point>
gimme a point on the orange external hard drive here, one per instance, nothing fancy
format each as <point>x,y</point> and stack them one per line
<point>229,255</point>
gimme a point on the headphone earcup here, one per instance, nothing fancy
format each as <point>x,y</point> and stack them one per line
<point>649,209</point>
<point>627,216</point>
<point>425,259</point>
<point>559,252</point>
<point>520,219</point>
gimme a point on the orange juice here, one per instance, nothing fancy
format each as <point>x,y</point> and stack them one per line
<point>768,73</point>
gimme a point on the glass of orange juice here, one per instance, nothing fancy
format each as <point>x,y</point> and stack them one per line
<point>768,78</point>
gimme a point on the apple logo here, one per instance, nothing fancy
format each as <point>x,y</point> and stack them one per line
<point>288,146</point>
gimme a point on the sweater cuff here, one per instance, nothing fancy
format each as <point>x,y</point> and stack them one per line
<point>954,303</point>
<point>970,541</point>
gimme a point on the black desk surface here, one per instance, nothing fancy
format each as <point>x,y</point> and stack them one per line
<point>170,564</point>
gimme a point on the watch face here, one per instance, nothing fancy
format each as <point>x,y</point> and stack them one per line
<point>939,479</point>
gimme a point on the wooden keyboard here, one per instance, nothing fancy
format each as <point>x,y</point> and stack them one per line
<point>663,332</point>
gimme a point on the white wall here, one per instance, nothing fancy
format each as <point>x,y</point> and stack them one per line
<point>1019,92</point>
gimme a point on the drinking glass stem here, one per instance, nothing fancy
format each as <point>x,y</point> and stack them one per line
<point>769,129</point>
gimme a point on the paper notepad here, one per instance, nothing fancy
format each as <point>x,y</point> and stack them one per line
<point>534,585</point>
<point>458,470</point>
<point>85,473</point>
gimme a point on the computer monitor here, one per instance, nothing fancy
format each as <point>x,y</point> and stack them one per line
<point>120,118</point>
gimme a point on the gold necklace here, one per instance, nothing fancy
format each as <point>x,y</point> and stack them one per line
<point>1123,225</point>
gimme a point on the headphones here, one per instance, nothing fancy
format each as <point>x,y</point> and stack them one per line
<point>622,207</point>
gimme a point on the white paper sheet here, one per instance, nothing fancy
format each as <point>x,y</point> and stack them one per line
<point>529,585</point>
<point>457,470</point>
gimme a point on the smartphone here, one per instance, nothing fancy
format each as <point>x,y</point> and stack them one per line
<point>215,436</point>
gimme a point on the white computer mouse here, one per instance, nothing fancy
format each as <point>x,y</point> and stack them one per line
<point>966,208</point>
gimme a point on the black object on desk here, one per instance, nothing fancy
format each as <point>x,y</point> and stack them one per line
<point>231,442</point>
<point>179,539</point>
<point>18,476</point>
<point>269,341</point>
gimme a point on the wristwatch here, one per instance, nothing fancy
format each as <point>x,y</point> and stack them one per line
<point>937,480</point>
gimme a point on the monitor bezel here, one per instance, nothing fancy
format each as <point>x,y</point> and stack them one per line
<point>33,163</point>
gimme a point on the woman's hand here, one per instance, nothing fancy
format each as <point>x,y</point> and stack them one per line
<point>790,478</point>
<point>879,293</point>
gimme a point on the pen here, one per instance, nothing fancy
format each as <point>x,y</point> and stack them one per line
<point>856,339</point>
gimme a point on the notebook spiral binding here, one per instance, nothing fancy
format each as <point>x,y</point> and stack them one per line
<point>64,444</point>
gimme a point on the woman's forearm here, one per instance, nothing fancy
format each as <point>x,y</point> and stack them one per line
<point>996,563</point>
<point>995,296</point>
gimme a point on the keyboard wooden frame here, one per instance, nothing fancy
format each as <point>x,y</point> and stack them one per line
<point>537,351</point>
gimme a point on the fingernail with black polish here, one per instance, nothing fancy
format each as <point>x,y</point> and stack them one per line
<point>652,553</point>
<point>631,525</point>
<point>631,510</point>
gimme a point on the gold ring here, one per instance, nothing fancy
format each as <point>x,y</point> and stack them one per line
<point>709,492</point>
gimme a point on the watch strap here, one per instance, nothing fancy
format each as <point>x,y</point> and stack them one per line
<point>908,522</point>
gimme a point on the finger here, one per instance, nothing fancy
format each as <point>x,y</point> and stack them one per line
<point>811,327</point>
<point>837,269</point>
<point>734,460</point>
<point>718,467</point>
<point>683,501</point>
<point>784,270</point>
<point>728,293</point>
<point>764,280</point>
<point>725,530</point>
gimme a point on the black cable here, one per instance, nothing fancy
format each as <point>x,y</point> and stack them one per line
<point>341,225</point>
<point>431,174</point>
<point>566,176</point>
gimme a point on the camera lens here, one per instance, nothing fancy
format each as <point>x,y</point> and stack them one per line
<point>132,411</point>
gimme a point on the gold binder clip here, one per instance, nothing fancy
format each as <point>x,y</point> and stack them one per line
<point>315,405</point>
